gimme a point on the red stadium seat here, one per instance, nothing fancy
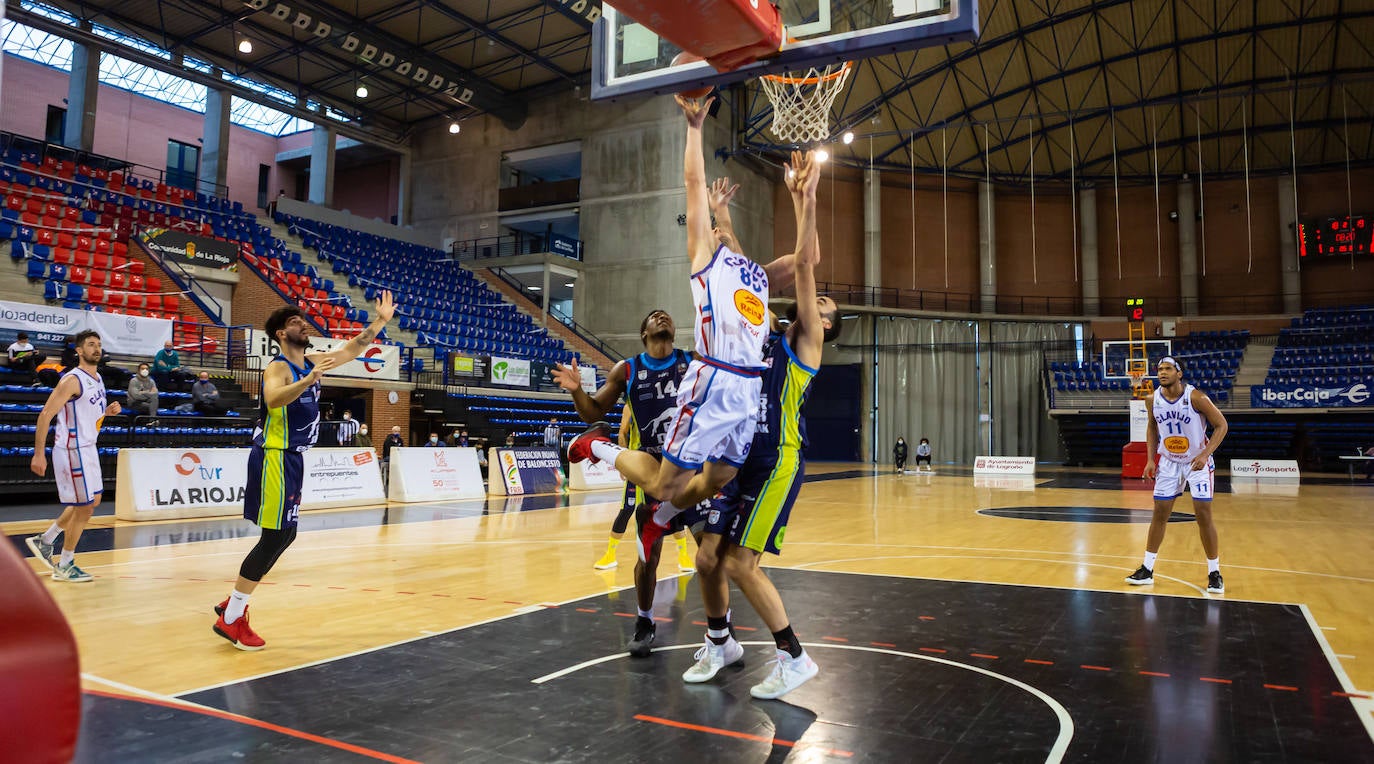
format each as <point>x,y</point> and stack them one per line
<point>118,280</point>
<point>152,284</point>
<point>170,303</point>
<point>95,295</point>
<point>63,256</point>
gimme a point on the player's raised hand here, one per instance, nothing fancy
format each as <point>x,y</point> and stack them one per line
<point>695,110</point>
<point>793,174</point>
<point>567,377</point>
<point>812,176</point>
<point>113,409</point>
<point>386,305</point>
<point>720,193</point>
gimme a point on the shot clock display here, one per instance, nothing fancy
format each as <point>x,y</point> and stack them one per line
<point>1135,309</point>
<point>1336,236</point>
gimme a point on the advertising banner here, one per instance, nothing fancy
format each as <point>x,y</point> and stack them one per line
<point>1140,421</point>
<point>380,361</point>
<point>1265,468</point>
<point>125,335</point>
<point>585,476</point>
<point>467,367</point>
<point>524,470</point>
<point>188,249</point>
<point>512,372</point>
<point>1004,465</point>
<point>435,474</point>
<point>168,483</point>
<point>1303,396</point>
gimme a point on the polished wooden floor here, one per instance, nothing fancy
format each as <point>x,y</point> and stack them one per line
<point>144,626</point>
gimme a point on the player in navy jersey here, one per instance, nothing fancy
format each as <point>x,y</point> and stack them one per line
<point>649,382</point>
<point>750,515</point>
<point>288,425</point>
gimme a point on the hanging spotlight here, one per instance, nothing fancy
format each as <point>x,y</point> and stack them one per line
<point>361,92</point>
<point>848,137</point>
<point>454,127</point>
<point>245,45</point>
<point>822,155</point>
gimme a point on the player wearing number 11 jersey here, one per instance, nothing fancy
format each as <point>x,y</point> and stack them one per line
<point>1177,434</point>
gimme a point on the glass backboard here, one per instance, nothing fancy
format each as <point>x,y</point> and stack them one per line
<point>629,58</point>
<point>1116,352</point>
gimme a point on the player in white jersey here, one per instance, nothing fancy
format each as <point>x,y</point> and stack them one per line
<point>78,404</point>
<point>718,399</point>
<point>1177,432</point>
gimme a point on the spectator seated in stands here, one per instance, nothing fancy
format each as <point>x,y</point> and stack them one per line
<point>143,392</point>
<point>434,441</point>
<point>461,439</point>
<point>348,431</point>
<point>205,396</point>
<point>113,376</point>
<point>23,356</point>
<point>68,355</point>
<point>167,369</point>
<point>363,440</point>
<point>392,441</point>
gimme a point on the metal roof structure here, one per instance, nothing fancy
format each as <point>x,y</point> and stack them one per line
<point>1055,89</point>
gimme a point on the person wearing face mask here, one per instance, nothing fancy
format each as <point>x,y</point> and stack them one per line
<point>392,441</point>
<point>363,440</point>
<point>434,441</point>
<point>348,430</point>
<point>143,392</point>
<point>899,454</point>
<point>923,454</point>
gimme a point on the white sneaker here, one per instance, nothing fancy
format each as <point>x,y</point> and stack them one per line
<point>788,674</point>
<point>711,658</point>
<point>71,574</point>
<point>41,549</point>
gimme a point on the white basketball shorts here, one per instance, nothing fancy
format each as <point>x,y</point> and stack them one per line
<point>717,414</point>
<point>1171,476</point>
<point>77,470</point>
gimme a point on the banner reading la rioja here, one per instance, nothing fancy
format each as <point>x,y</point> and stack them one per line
<point>1311,396</point>
<point>191,250</point>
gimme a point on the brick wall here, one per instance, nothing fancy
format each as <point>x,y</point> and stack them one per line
<point>382,415</point>
<point>254,300</point>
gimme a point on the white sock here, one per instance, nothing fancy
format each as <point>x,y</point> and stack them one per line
<point>238,602</point>
<point>1150,559</point>
<point>718,633</point>
<point>665,513</point>
<point>68,557</point>
<point>1214,565</point>
<point>606,451</point>
<point>645,613</point>
<point>51,534</point>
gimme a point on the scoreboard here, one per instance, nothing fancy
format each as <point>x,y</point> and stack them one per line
<point>1336,236</point>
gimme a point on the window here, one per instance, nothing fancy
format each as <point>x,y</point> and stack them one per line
<point>264,175</point>
<point>183,163</point>
<point>56,129</point>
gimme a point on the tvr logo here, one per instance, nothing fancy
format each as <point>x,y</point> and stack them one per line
<point>189,464</point>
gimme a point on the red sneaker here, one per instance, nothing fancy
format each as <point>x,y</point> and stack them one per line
<point>239,633</point>
<point>580,448</point>
<point>223,606</point>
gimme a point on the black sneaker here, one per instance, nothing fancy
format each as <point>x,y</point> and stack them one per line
<point>1214,584</point>
<point>1142,576</point>
<point>645,633</point>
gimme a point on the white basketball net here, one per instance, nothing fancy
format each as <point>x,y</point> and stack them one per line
<point>801,103</point>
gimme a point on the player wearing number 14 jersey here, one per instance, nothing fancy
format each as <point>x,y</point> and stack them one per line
<point>1177,433</point>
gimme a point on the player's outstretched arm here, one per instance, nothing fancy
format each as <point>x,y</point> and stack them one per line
<point>385,309</point>
<point>66,389</point>
<point>592,408</point>
<point>810,331</point>
<point>700,242</point>
<point>277,388</point>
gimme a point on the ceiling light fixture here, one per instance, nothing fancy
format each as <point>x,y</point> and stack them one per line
<point>822,155</point>
<point>454,127</point>
<point>361,92</point>
<point>245,45</point>
<point>848,137</point>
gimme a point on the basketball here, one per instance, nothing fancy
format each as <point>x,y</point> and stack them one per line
<point>688,58</point>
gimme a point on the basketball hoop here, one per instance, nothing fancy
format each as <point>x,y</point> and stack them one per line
<point>801,103</point>
<point>1136,376</point>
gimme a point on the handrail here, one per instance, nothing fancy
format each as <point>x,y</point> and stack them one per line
<point>511,245</point>
<point>581,331</point>
<point>289,300</point>
<point>91,159</point>
<point>184,281</point>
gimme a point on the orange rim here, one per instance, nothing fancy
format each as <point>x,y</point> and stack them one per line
<point>790,80</point>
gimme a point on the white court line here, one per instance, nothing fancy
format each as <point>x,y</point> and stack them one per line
<point>1343,656</point>
<point>808,565</point>
<point>1364,707</point>
<point>1056,753</point>
<point>129,689</point>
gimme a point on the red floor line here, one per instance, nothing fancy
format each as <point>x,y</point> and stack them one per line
<point>1154,673</point>
<point>366,590</point>
<point>581,609</point>
<point>734,734</point>
<point>303,586</point>
<point>834,639</point>
<point>405,592</point>
<point>202,580</point>
<point>550,607</point>
<point>927,618</point>
<point>478,598</point>
<point>260,725</point>
<point>440,595</point>
<point>1280,687</point>
<point>1038,663</point>
<point>511,602</point>
<point>743,628</point>
<point>1095,668</point>
<point>340,588</point>
<point>626,615</point>
<point>882,644</point>
<point>1214,680</point>
<point>931,650</point>
<point>1350,695</point>
<point>698,623</point>
<point>984,655</point>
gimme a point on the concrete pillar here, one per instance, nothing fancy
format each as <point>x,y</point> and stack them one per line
<point>322,166</point>
<point>1288,246</point>
<point>82,88</point>
<point>544,314</point>
<point>1187,248</point>
<point>873,228</point>
<point>214,151</point>
<point>987,247</point>
<point>403,190</point>
<point>1087,254</point>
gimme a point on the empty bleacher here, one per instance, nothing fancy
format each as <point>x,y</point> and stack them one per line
<point>496,416</point>
<point>1325,347</point>
<point>1210,361</point>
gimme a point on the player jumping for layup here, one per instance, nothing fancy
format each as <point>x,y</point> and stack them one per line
<point>718,399</point>
<point>288,425</point>
<point>78,402</point>
<point>1177,413</point>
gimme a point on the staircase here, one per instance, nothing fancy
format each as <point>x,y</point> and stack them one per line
<point>14,282</point>
<point>1254,367</point>
<point>525,305</point>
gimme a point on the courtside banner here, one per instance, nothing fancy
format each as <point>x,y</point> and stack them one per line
<point>524,470</point>
<point>125,335</point>
<point>585,476</point>
<point>435,474</point>
<point>380,361</point>
<point>1265,468</point>
<point>1004,465</point>
<point>1302,396</point>
<point>1140,421</point>
<point>512,372</point>
<point>341,477</point>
